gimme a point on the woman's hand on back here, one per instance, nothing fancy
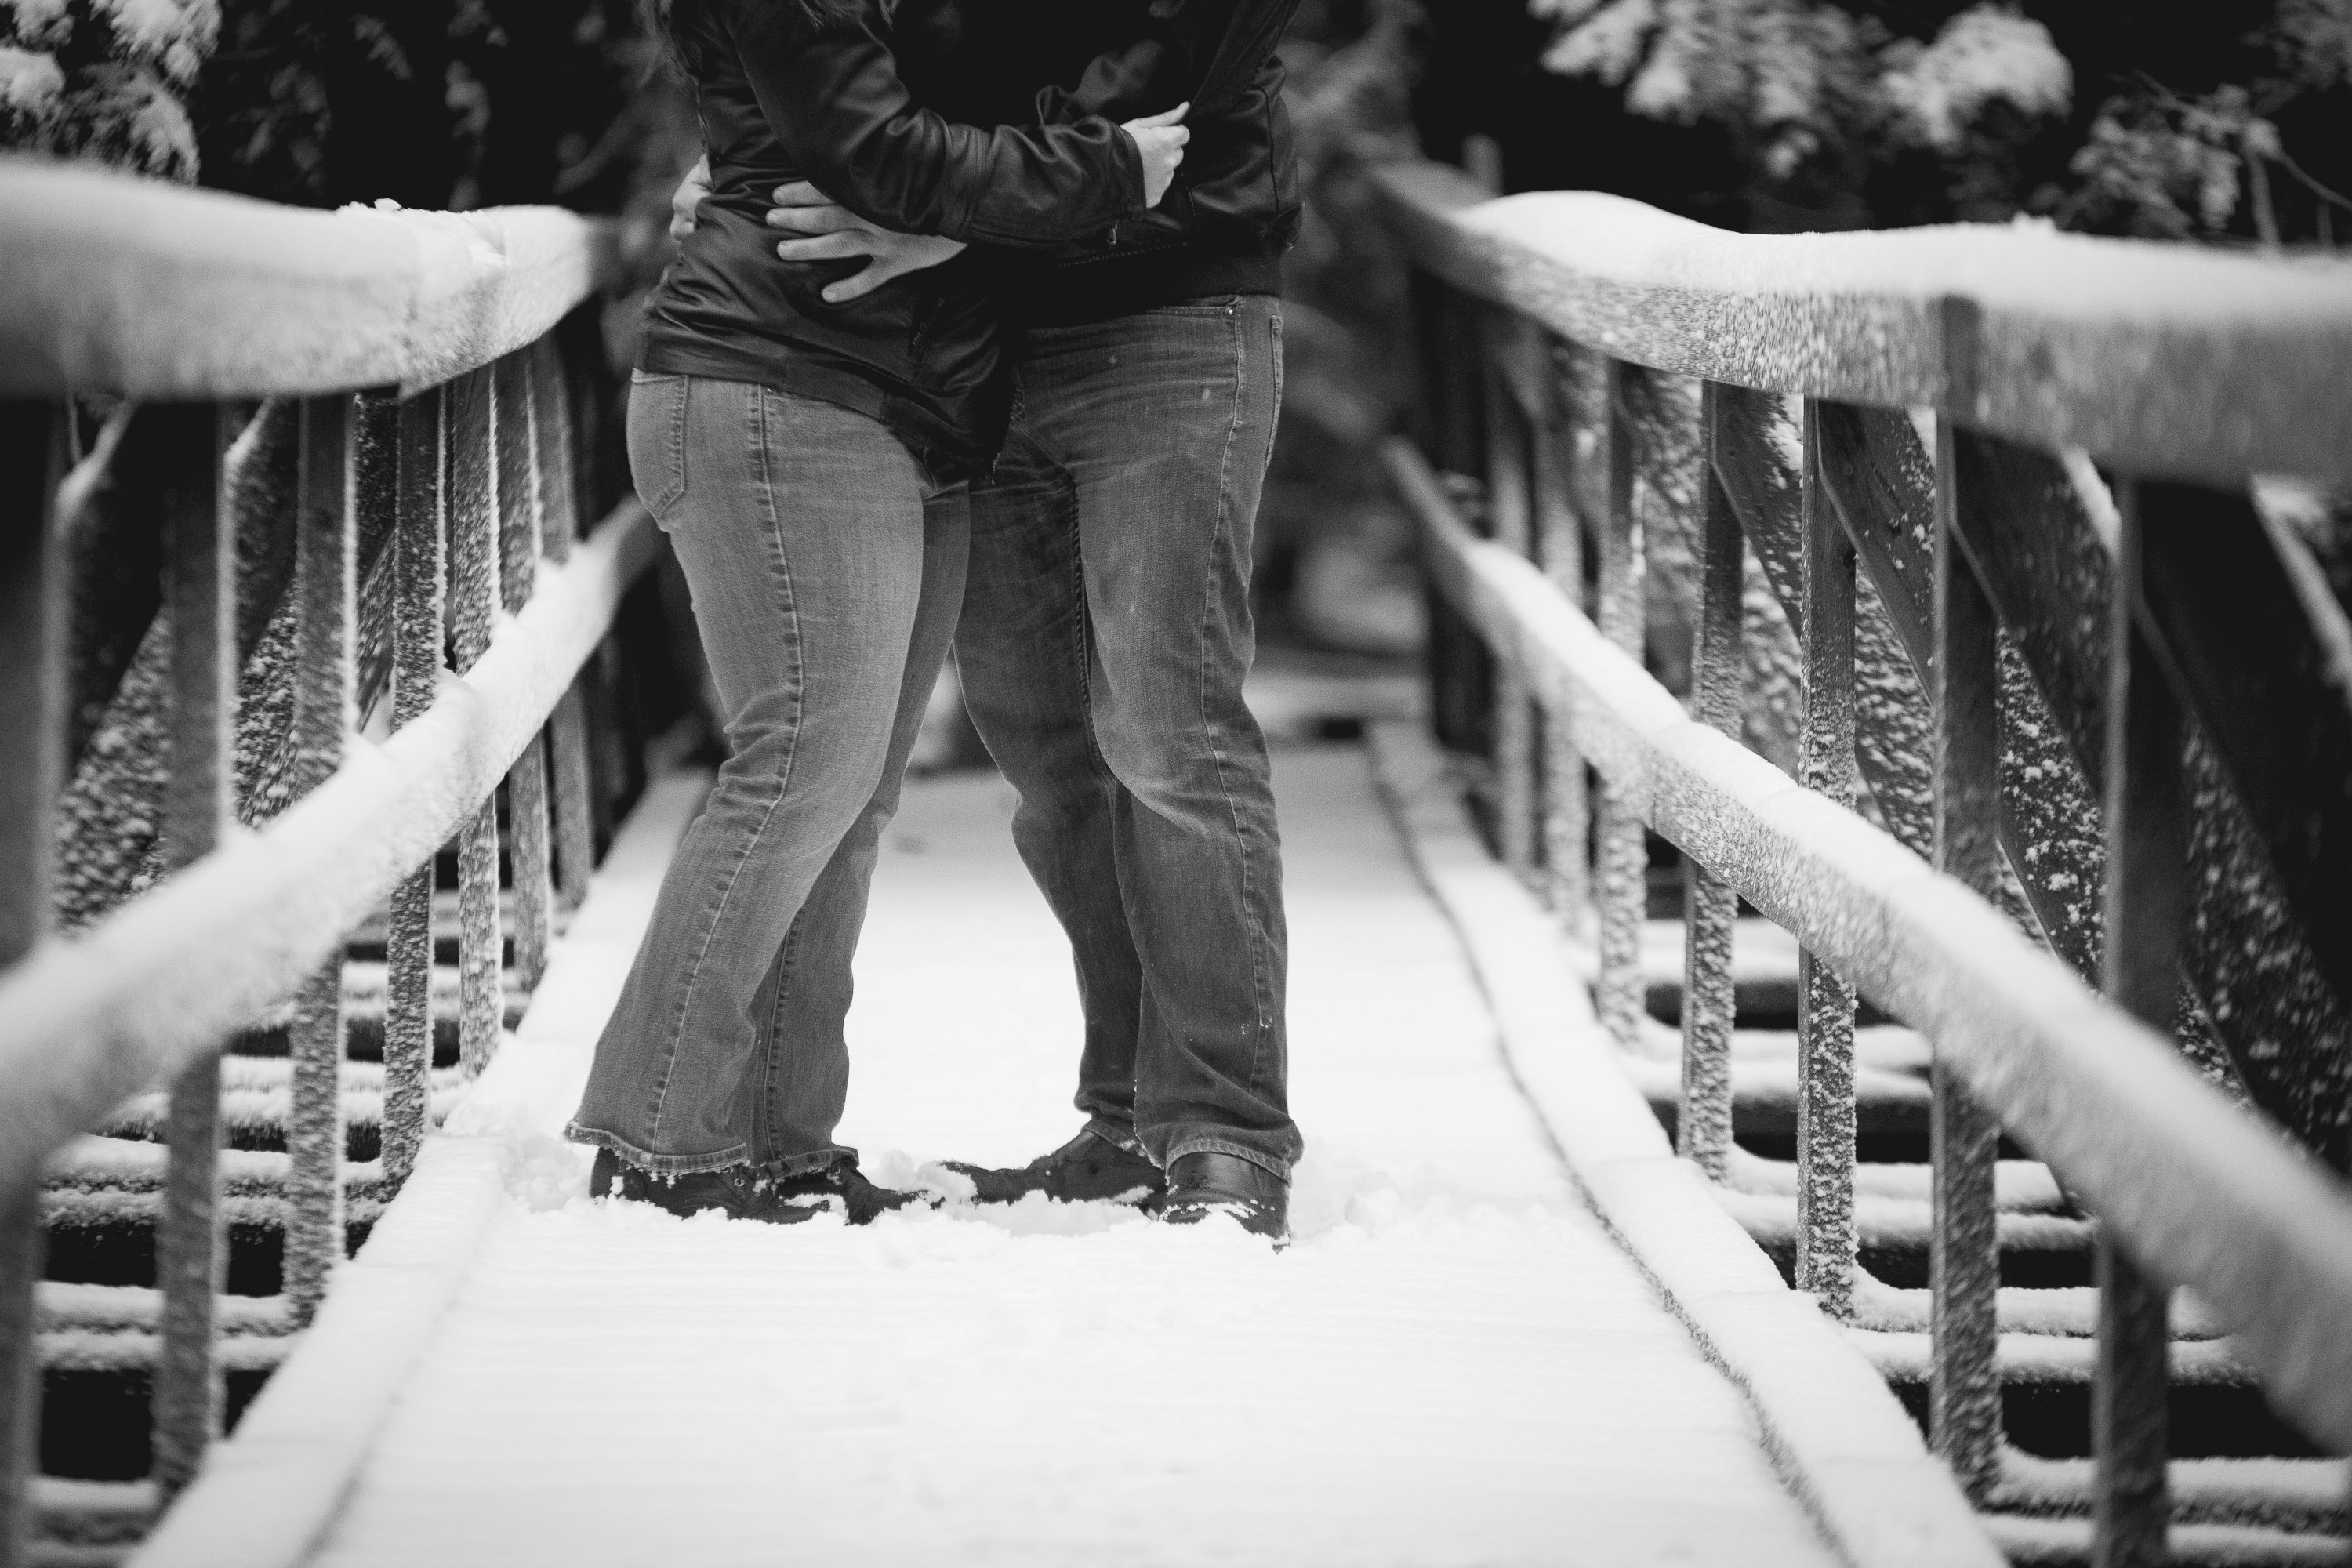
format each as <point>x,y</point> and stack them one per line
<point>1161,139</point>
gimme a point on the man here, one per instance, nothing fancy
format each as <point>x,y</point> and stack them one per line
<point>1105,626</point>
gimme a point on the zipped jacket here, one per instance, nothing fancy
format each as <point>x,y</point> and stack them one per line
<point>1233,208</point>
<point>782,99</point>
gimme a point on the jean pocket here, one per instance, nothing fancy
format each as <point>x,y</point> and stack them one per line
<point>658,439</point>
<point>1207,305</point>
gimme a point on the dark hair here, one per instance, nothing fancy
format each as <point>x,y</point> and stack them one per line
<point>660,19</point>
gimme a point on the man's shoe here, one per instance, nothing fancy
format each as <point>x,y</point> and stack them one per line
<point>1089,1168</point>
<point>740,1191</point>
<point>843,1188</point>
<point>1207,1183</point>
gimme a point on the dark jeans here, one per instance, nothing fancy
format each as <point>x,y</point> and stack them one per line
<point>827,570</point>
<point>1105,634</point>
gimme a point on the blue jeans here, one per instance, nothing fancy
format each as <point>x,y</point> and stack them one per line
<point>1106,631</point>
<point>827,571</point>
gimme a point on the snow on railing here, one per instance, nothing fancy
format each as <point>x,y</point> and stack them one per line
<point>346,443</point>
<point>2062,685</point>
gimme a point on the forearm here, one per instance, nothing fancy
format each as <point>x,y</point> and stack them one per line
<point>836,102</point>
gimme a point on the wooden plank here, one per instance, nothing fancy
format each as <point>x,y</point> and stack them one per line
<point>520,520</point>
<point>420,566</point>
<point>325,689</point>
<point>1510,522</point>
<point>1710,904</point>
<point>1622,868</point>
<point>200,598</point>
<point>33,710</point>
<point>2051,339</point>
<point>1825,1001</point>
<point>1567,808</point>
<point>473,551</point>
<point>162,292</point>
<point>1964,1261</point>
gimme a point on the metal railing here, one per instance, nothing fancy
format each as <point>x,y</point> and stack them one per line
<point>1955,528</point>
<point>351,448</point>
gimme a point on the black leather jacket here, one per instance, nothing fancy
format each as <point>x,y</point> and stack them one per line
<point>1233,209</point>
<point>782,99</point>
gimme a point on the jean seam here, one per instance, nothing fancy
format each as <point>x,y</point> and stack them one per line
<point>579,1131</point>
<point>791,752</point>
<point>1202,1144</point>
<point>1258,987</point>
<point>766,1045</point>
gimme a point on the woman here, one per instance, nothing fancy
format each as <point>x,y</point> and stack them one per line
<point>806,455</point>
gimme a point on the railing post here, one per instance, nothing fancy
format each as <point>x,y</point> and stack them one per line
<point>1510,522</point>
<point>1566,812</point>
<point>1623,850</point>
<point>473,549</point>
<point>2146,895</point>
<point>567,729</point>
<point>32,712</point>
<point>1964,1386</point>
<point>199,600</point>
<point>520,521</point>
<point>1710,904</point>
<point>1825,1117</point>
<point>419,574</point>
<point>325,576</point>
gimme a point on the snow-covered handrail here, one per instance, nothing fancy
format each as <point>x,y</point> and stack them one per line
<point>2164,359</point>
<point>406,490</point>
<point>2064,695</point>
<point>156,291</point>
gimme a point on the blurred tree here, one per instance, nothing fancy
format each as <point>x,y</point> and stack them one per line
<point>431,103</point>
<point>104,80</point>
<point>2223,121</point>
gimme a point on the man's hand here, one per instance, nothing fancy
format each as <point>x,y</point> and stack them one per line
<point>830,231</point>
<point>689,196</point>
<point>1159,139</point>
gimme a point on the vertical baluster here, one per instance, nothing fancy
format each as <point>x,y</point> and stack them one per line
<point>1566,812</point>
<point>199,600</point>
<point>551,423</point>
<point>1826,1146</point>
<point>420,567</point>
<point>2146,892</point>
<point>1624,859</point>
<point>518,546</point>
<point>1964,1388</point>
<point>567,729</point>
<point>325,573</point>
<point>1711,905</point>
<point>473,613</point>
<point>32,714</point>
<point>1509,521</point>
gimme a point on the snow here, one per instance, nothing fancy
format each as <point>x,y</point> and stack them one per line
<point>1453,1364</point>
<point>1982,55</point>
<point>30,81</point>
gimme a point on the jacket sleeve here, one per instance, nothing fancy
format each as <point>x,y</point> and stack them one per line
<point>1204,51</point>
<point>833,96</point>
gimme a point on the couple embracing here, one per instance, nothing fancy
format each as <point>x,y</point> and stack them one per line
<point>1034,420</point>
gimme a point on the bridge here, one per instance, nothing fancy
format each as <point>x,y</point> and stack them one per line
<point>1826,1043</point>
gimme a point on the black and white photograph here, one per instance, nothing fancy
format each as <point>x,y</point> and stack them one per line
<point>1175,784</point>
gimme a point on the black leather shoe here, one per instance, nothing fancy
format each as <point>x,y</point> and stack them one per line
<point>842,1188</point>
<point>1089,1168</point>
<point>1209,1182</point>
<point>739,1190</point>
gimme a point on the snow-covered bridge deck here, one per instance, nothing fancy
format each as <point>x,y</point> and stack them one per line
<point>1453,1363</point>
